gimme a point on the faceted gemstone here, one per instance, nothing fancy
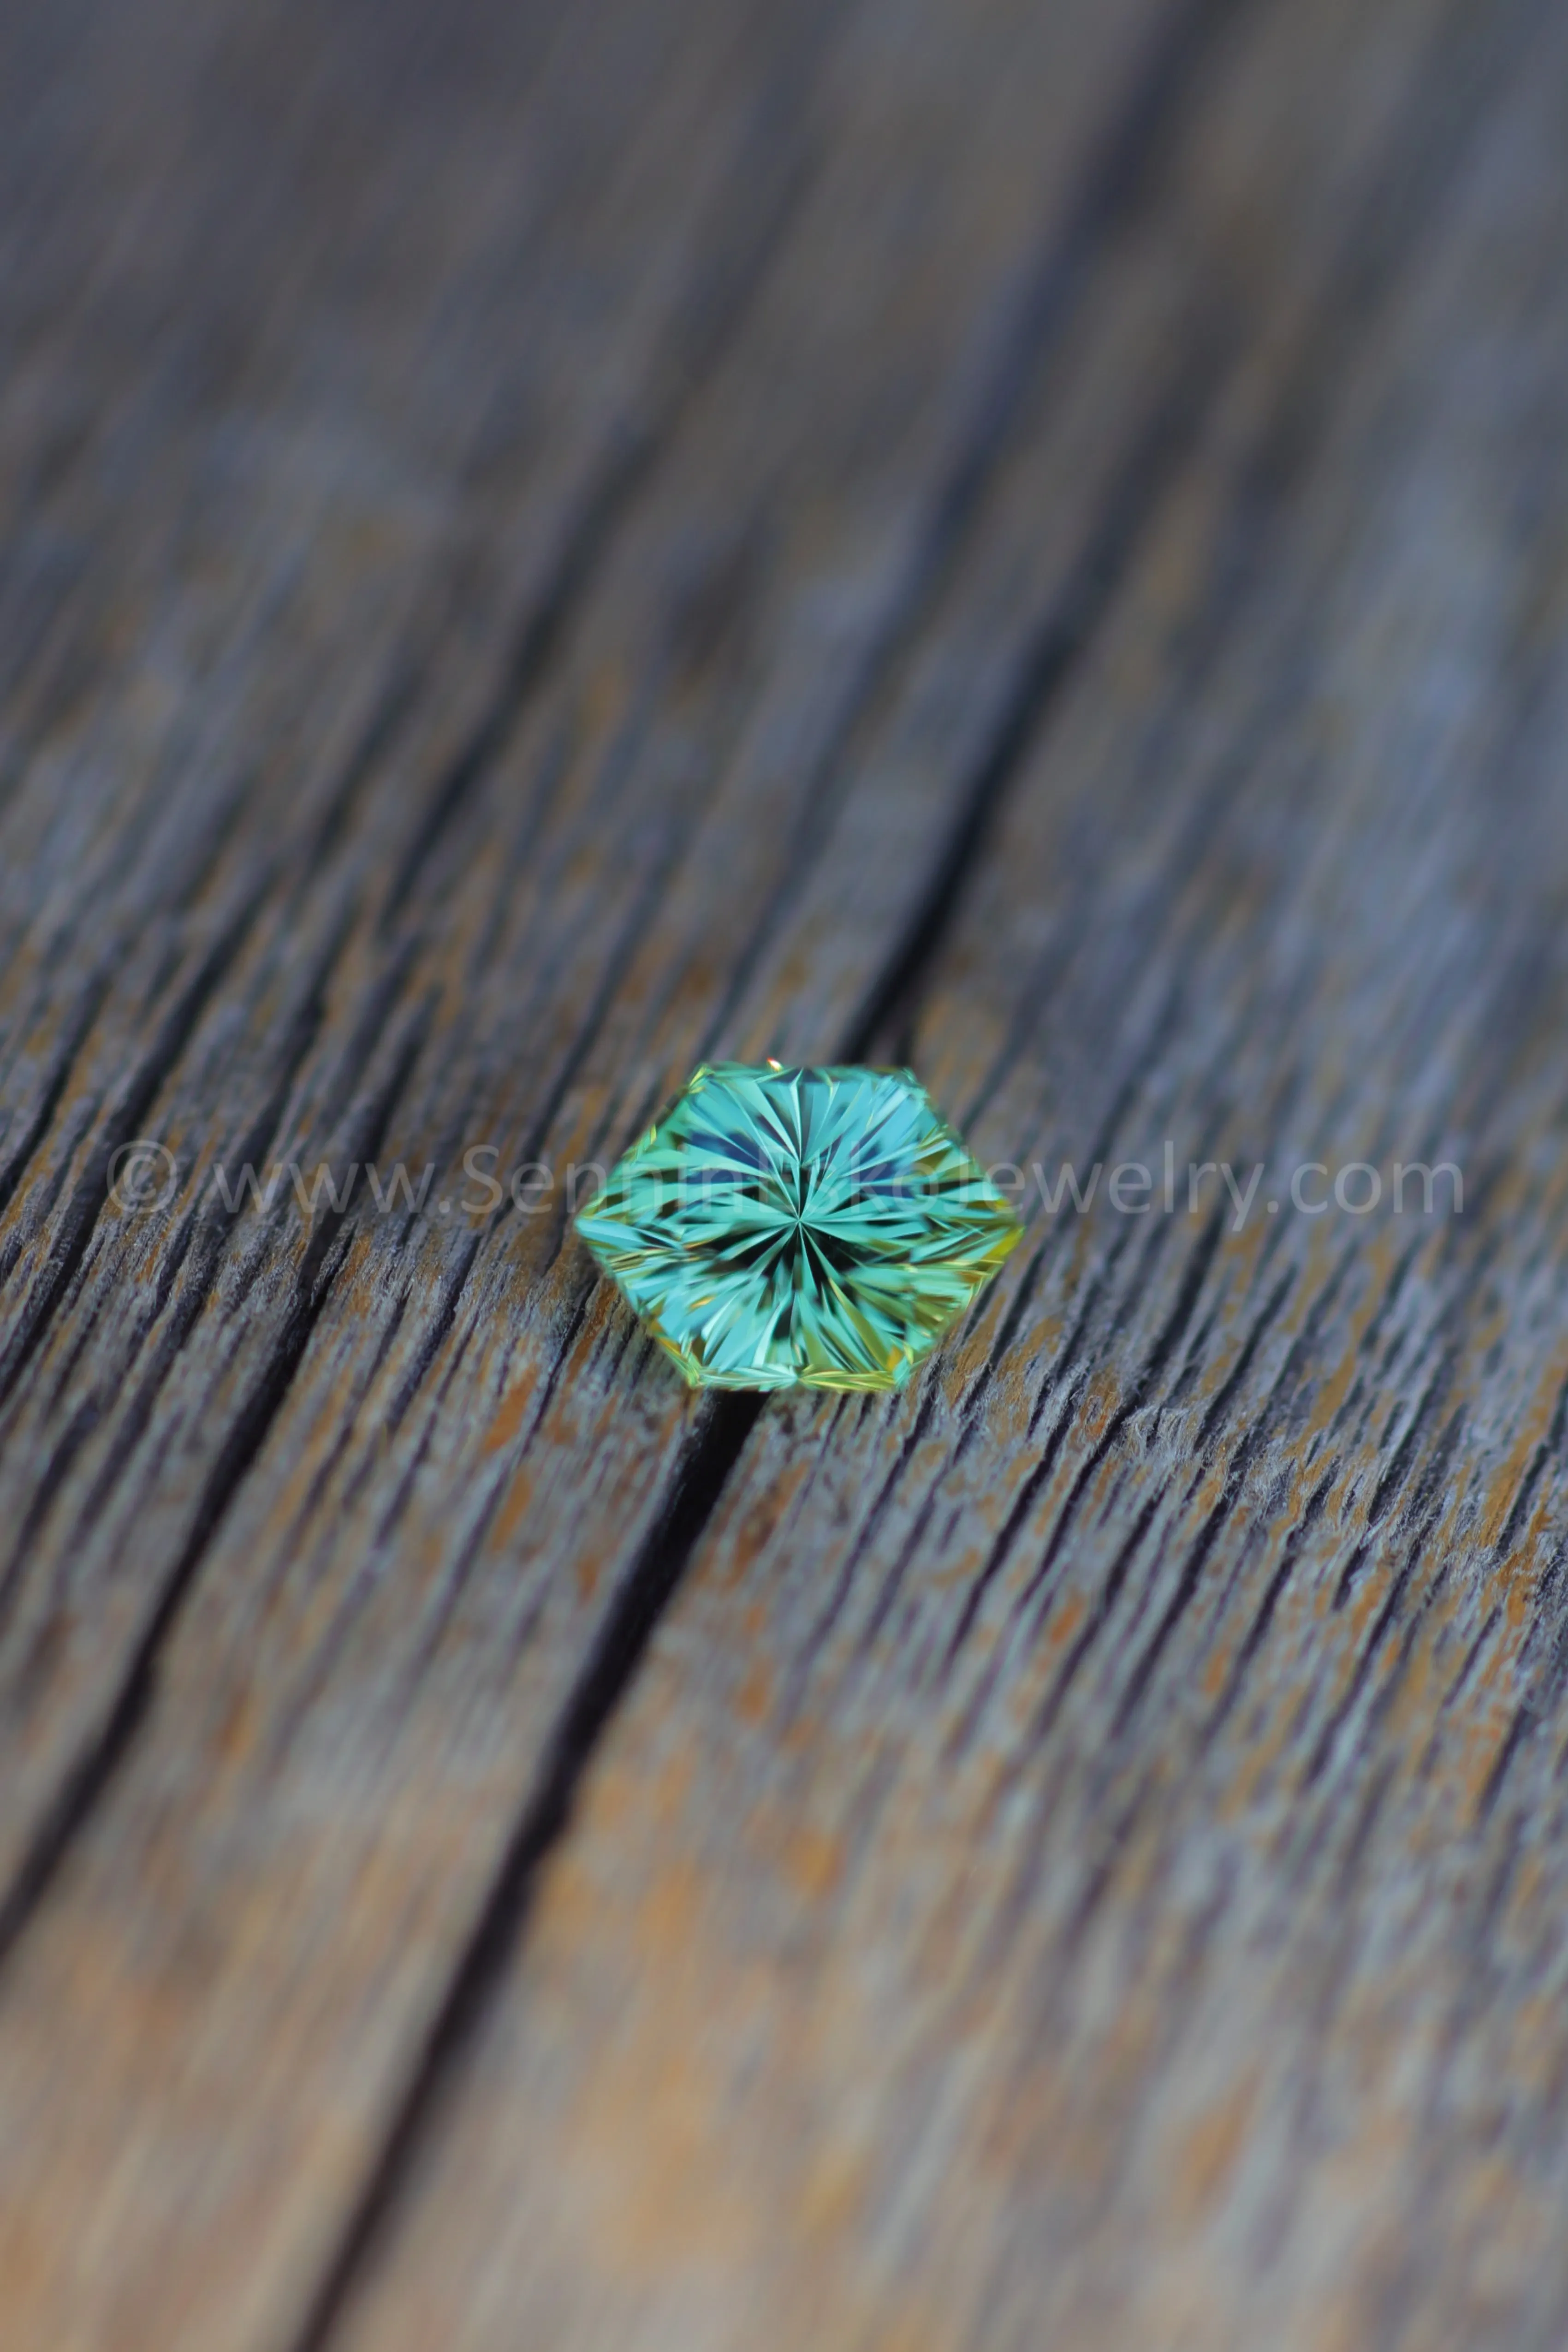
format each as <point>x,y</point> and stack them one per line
<point>779,1228</point>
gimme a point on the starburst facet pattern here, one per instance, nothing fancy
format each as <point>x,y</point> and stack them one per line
<point>815,1228</point>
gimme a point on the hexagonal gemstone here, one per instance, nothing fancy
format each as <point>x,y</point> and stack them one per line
<point>815,1228</point>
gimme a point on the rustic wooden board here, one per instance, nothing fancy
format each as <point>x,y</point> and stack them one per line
<point>1029,538</point>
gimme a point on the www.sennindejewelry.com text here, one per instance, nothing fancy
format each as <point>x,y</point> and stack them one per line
<point>145,1176</point>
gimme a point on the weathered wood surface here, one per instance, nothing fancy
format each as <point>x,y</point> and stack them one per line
<point>539,546</point>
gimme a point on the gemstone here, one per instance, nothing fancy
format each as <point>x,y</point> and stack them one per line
<point>813,1228</point>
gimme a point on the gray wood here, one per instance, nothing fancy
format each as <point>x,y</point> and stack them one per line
<point>1028,540</point>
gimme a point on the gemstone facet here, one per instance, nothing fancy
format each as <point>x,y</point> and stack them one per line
<point>815,1228</point>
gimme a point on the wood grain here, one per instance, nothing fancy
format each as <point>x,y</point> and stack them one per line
<point>1024,539</point>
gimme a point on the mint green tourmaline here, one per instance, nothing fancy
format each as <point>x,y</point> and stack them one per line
<point>783,1228</point>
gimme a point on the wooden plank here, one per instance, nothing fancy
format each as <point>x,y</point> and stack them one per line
<point>380,1643</point>
<point>1082,1862</point>
<point>275,1754</point>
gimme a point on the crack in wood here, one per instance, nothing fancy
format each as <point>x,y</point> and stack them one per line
<point>96,1764</point>
<point>90,1194</point>
<point>713,1448</point>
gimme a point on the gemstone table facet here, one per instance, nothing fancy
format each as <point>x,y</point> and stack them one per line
<point>813,1228</point>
